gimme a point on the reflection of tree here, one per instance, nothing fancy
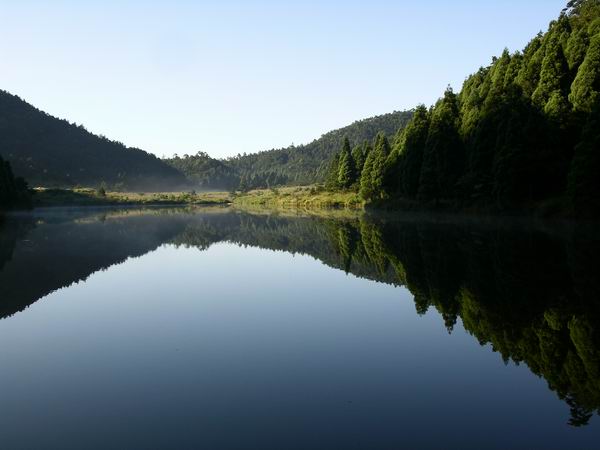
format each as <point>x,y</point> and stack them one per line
<point>531,293</point>
<point>37,259</point>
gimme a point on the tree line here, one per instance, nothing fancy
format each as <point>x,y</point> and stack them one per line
<point>293,165</point>
<point>13,191</point>
<point>523,132</point>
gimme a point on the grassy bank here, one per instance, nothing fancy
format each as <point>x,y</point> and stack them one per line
<point>286,198</point>
<point>298,198</point>
<point>91,197</point>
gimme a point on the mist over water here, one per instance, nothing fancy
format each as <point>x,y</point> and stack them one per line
<point>214,328</point>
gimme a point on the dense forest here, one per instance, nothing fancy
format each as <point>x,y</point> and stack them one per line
<point>47,151</point>
<point>527,290</point>
<point>523,133</point>
<point>13,191</point>
<point>294,165</point>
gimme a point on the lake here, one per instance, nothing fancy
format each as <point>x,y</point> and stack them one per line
<point>222,329</point>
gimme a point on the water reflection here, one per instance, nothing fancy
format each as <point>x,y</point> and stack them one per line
<point>529,290</point>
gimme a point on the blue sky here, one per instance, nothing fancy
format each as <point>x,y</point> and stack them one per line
<point>230,77</point>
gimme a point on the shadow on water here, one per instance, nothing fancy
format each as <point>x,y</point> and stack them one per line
<point>529,289</point>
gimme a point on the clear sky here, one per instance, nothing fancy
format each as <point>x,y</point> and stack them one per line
<point>229,77</point>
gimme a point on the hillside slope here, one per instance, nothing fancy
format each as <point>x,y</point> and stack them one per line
<point>303,164</point>
<point>47,151</point>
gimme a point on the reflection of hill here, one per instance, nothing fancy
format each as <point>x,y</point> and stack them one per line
<point>47,256</point>
<point>532,293</point>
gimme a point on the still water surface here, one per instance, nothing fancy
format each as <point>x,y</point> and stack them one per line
<point>219,329</point>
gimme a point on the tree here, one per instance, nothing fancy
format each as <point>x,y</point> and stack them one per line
<point>346,167</point>
<point>576,49</point>
<point>373,177</point>
<point>13,191</point>
<point>410,149</point>
<point>554,74</point>
<point>443,156</point>
<point>244,184</point>
<point>585,90</point>
<point>366,183</point>
<point>331,180</point>
<point>358,155</point>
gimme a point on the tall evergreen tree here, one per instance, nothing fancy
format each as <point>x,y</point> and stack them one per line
<point>585,91</point>
<point>331,180</point>
<point>367,189</point>
<point>373,181</point>
<point>443,156</point>
<point>358,155</point>
<point>410,153</point>
<point>346,167</point>
<point>554,74</point>
<point>576,49</point>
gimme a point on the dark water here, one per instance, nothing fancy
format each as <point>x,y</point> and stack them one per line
<point>224,330</point>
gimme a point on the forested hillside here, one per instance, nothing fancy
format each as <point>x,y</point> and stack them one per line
<point>301,164</point>
<point>13,191</point>
<point>47,151</point>
<point>524,132</point>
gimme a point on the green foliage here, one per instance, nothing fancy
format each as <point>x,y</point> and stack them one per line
<point>294,165</point>
<point>585,91</point>
<point>409,152</point>
<point>310,163</point>
<point>372,181</point>
<point>366,183</point>
<point>554,73</point>
<point>359,154</point>
<point>346,167</point>
<point>443,153</point>
<point>205,172</point>
<point>576,48</point>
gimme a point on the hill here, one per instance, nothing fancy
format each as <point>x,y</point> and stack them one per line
<point>303,164</point>
<point>47,151</point>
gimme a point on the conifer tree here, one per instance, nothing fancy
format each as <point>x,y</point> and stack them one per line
<point>576,49</point>
<point>331,181</point>
<point>378,173</point>
<point>443,156</point>
<point>585,90</point>
<point>533,56</point>
<point>373,176</point>
<point>411,149</point>
<point>359,159</point>
<point>366,180</point>
<point>346,167</point>
<point>554,74</point>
